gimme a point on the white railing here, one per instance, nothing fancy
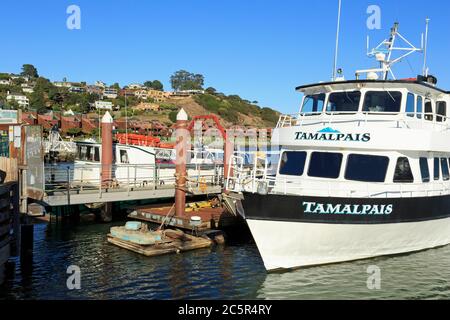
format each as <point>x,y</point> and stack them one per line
<point>256,178</point>
<point>406,119</point>
<point>92,177</point>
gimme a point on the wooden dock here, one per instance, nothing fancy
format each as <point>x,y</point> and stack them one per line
<point>64,197</point>
<point>212,218</point>
<point>70,186</point>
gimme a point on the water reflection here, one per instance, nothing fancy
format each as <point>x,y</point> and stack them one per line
<point>422,275</point>
<point>109,272</point>
<point>234,271</point>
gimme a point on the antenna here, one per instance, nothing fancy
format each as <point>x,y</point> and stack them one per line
<point>337,41</point>
<point>383,54</point>
<point>425,71</point>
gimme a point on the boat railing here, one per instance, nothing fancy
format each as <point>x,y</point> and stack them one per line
<point>94,177</point>
<point>259,177</point>
<point>398,119</point>
<point>273,185</point>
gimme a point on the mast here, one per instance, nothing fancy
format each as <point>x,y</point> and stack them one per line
<point>425,71</point>
<point>383,53</point>
<point>390,45</point>
<point>337,41</point>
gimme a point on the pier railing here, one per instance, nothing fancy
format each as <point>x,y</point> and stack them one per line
<point>79,179</point>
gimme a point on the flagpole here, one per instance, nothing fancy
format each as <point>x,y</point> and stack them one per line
<point>337,41</point>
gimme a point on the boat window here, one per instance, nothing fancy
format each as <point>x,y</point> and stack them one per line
<point>382,101</point>
<point>419,107</point>
<point>428,110</point>
<point>325,165</point>
<point>444,167</point>
<point>97,154</point>
<point>292,163</point>
<point>441,111</point>
<point>89,155</point>
<point>410,105</point>
<point>366,168</point>
<point>436,169</point>
<point>124,156</point>
<point>403,173</point>
<point>83,151</point>
<point>313,104</point>
<point>424,170</point>
<point>344,102</point>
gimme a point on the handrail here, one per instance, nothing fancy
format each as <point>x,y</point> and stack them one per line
<point>248,178</point>
<point>299,119</point>
<point>128,176</point>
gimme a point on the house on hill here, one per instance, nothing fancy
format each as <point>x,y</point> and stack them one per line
<point>21,99</point>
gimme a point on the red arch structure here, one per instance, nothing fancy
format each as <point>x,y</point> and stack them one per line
<point>209,117</point>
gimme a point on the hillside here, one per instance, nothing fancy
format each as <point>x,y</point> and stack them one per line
<point>148,102</point>
<point>232,110</point>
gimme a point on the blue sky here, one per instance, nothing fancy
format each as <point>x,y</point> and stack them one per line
<point>259,49</point>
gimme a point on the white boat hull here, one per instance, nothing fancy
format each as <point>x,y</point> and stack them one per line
<point>287,245</point>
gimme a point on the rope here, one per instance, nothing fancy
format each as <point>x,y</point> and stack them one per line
<point>165,218</point>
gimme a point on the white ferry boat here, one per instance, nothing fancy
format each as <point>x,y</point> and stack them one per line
<point>139,163</point>
<point>363,171</point>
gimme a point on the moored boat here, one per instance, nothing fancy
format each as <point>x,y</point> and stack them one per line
<point>363,171</point>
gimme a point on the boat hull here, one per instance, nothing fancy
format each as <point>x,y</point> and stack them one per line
<point>290,234</point>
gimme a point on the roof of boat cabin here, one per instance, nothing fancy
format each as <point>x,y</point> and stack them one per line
<point>406,82</point>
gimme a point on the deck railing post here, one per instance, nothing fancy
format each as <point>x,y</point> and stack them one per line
<point>158,166</point>
<point>128,180</point>
<point>68,186</point>
<point>100,182</point>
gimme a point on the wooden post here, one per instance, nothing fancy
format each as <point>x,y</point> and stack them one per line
<point>107,159</point>
<point>182,135</point>
<point>107,148</point>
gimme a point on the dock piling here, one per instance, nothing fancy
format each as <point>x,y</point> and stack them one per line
<point>107,160</point>
<point>182,136</point>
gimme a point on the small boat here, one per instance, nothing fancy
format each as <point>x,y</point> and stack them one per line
<point>137,233</point>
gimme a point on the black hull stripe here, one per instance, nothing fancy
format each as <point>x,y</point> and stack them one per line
<point>345,210</point>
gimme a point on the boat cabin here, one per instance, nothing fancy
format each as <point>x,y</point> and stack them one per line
<point>89,152</point>
<point>398,98</point>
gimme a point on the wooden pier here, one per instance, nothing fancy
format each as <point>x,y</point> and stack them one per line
<point>72,186</point>
<point>211,218</point>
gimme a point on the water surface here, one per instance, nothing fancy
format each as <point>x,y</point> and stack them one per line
<point>224,272</point>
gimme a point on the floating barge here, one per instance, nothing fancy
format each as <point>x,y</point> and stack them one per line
<point>211,218</point>
<point>156,243</point>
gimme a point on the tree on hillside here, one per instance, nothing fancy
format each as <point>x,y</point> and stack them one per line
<point>155,85</point>
<point>116,86</point>
<point>37,102</point>
<point>184,80</point>
<point>211,90</point>
<point>28,70</point>
<point>43,85</point>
